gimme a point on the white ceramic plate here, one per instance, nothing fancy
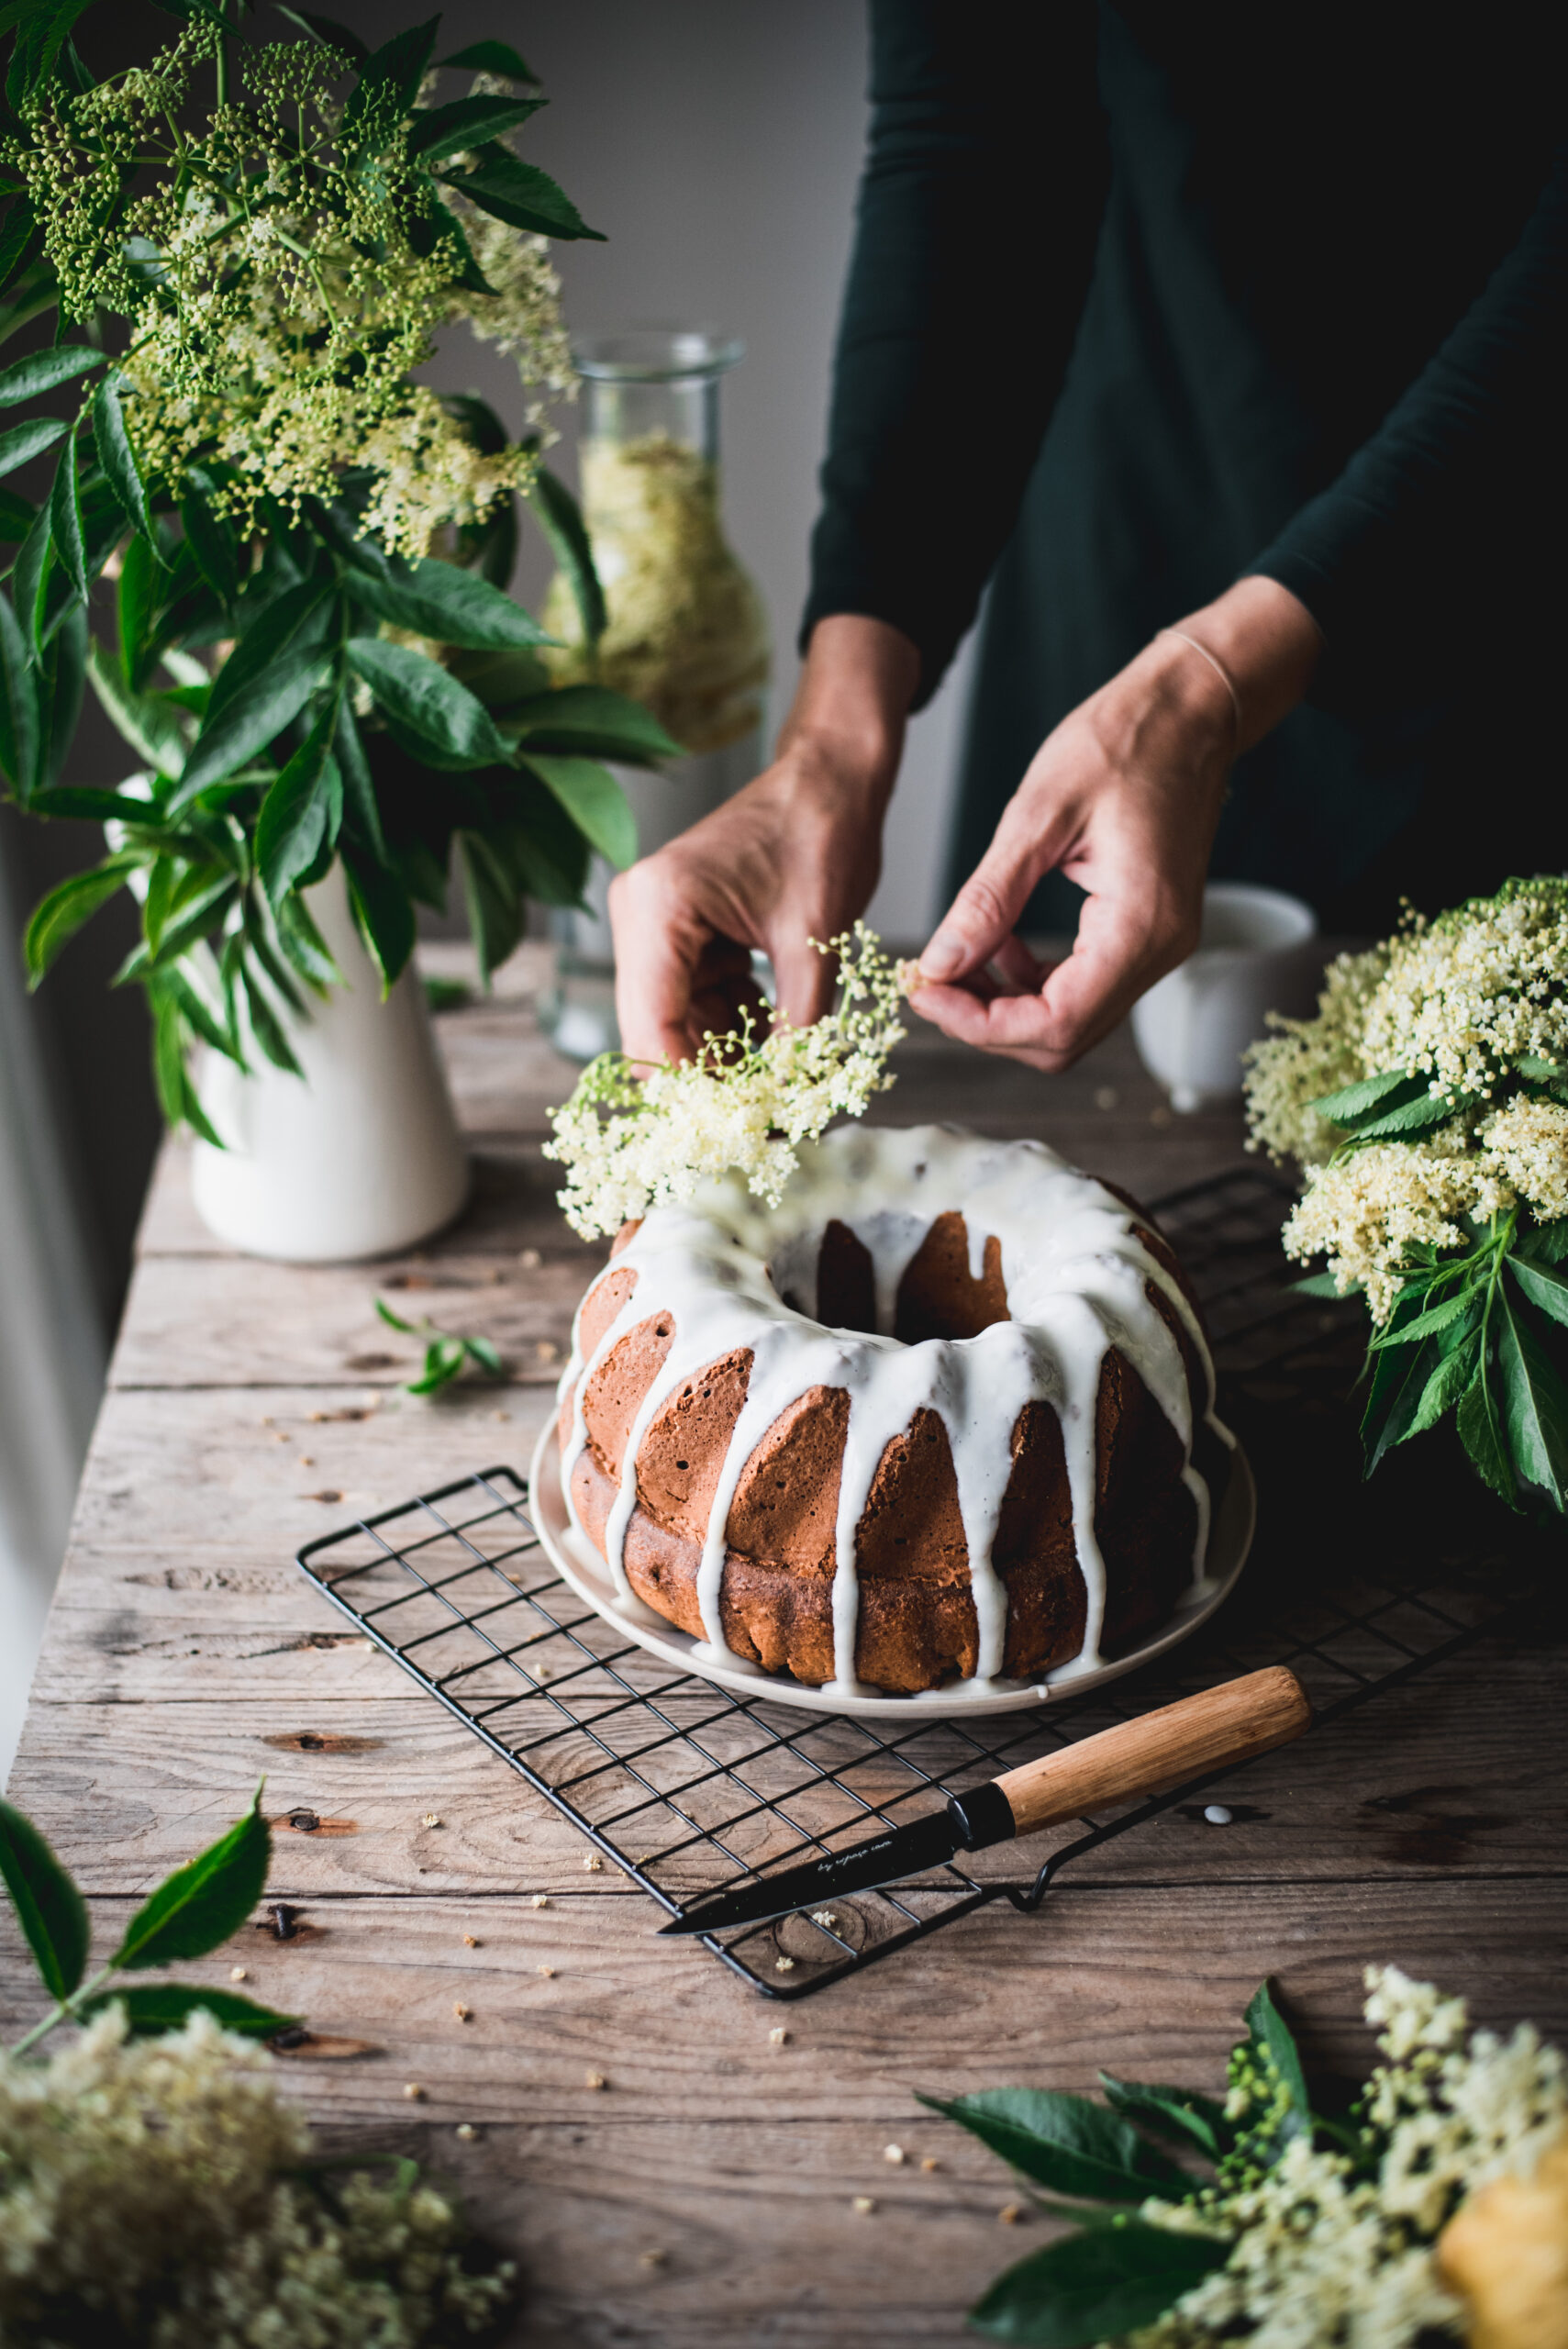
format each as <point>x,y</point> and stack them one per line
<point>581,1565</point>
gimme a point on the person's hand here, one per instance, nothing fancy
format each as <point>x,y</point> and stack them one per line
<point>794,856</point>
<point>1123,799</point>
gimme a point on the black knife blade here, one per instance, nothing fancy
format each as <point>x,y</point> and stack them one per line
<point>1212,1731</point>
<point>967,1823</point>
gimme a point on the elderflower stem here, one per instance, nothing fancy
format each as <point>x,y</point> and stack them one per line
<point>64,2011</point>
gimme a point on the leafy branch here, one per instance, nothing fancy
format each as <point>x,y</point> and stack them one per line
<point>447,1352</point>
<point>380,709</point>
<point>192,1913</point>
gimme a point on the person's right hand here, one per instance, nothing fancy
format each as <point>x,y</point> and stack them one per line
<point>794,856</point>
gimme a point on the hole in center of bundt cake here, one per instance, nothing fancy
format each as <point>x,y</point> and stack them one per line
<point>937,1296</point>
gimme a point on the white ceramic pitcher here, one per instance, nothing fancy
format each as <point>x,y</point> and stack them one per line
<point>360,1157</point>
<point>1258,953</point>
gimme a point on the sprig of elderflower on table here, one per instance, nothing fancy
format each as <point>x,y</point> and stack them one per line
<point>1439,2205</point>
<point>632,1140</point>
<point>156,2190</point>
<point>1427,1106</point>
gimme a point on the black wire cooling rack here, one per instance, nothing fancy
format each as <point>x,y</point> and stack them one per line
<point>688,1788</point>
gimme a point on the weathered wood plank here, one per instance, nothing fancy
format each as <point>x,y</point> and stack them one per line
<point>739,2159</point>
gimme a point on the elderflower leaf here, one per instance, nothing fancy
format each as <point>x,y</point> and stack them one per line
<point>1181,2113</point>
<point>50,1909</point>
<point>1065,2143</point>
<point>1535,1403</point>
<point>1097,2286</point>
<point>197,1907</point>
<point>153,2008</point>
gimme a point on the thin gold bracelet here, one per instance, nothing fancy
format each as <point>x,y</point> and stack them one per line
<point>1220,670</point>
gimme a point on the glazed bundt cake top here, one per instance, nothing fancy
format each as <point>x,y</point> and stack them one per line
<point>720,1275</point>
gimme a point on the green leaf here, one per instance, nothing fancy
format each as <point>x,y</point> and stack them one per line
<point>362,814</point>
<point>27,440</point>
<point>16,238</point>
<point>1399,1375</point>
<point>1480,1429</point>
<point>493,901</point>
<point>29,576</point>
<point>49,1909</point>
<point>1416,1117</point>
<point>383,911</point>
<point>593,800</point>
<point>421,696</point>
<point>1544,1288</point>
<point>1358,1100</point>
<point>1097,2286</point>
<point>65,531</point>
<point>480,1351</point>
<point>136,596</point>
<point>195,1910</point>
<point>1447,1384</point>
<point>454,607</point>
<point>41,371</point>
<point>297,619</point>
<point>1321,1285</point>
<point>1269,2034</point>
<point>1066,2144</point>
<point>543,850</point>
<point>327,30</point>
<point>209,538</point>
<point>18,707</point>
<point>153,2008</point>
<point>63,678</point>
<point>592,719</point>
<point>1535,1403</point>
<point>302,812</point>
<point>235,728</point>
<point>489,56</point>
<point>145,720</point>
<point>521,194</point>
<point>266,1027</point>
<point>304,946</point>
<point>1438,1317</point>
<point>444,1358</point>
<point>466,123</point>
<point>394,1321</point>
<point>1543,1243</point>
<point>1179,2111</point>
<point>560,517</point>
<point>389,83</point>
<point>63,911</point>
<point>118,457</point>
<point>199,1016</point>
<point>16,518</point>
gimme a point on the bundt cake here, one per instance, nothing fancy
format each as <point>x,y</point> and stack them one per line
<point>933,1416</point>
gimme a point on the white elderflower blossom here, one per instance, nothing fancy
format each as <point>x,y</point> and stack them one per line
<point>1476,1004</point>
<point>279,298</point>
<point>628,1143</point>
<point>158,2191</point>
<point>1325,2248</point>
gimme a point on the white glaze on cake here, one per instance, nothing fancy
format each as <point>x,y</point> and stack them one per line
<point>1074,1271</point>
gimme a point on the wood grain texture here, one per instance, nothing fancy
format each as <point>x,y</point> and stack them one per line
<point>255,1406</point>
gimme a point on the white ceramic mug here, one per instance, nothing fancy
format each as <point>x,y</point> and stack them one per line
<point>1258,953</point>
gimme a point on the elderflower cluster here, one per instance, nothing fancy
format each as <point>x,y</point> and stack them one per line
<point>158,2191</point>
<point>1462,1001</point>
<point>743,1104</point>
<point>279,298</point>
<point>1325,2248</point>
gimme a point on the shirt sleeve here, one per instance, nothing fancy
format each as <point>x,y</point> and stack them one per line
<point>1423,541</point>
<point>979,209</point>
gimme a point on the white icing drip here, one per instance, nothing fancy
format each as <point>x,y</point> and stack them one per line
<point>1075,1273</point>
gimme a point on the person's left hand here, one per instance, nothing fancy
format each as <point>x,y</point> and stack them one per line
<point>1123,799</point>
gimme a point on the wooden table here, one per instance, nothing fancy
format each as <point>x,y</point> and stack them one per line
<point>704,2195</point>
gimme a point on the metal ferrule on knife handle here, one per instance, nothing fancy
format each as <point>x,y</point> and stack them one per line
<point>1209,1732</point>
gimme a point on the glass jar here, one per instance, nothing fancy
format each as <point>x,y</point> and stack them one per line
<point>685,633</point>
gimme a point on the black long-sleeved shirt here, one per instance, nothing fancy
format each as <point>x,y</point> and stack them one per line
<point>1144,299</point>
